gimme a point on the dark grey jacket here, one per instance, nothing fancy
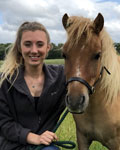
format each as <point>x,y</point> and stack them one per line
<point>18,116</point>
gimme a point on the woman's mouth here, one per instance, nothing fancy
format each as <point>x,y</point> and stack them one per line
<point>34,58</point>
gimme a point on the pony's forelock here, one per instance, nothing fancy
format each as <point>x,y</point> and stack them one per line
<point>74,33</point>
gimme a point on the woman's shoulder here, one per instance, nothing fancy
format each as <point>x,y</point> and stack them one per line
<point>55,71</point>
<point>55,68</point>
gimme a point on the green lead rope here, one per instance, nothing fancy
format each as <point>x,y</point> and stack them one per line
<point>64,144</point>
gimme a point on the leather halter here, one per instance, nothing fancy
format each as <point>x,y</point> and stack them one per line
<point>91,89</point>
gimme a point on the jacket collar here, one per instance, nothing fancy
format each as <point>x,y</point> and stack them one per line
<point>20,84</point>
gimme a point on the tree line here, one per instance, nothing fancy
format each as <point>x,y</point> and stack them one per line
<point>54,53</point>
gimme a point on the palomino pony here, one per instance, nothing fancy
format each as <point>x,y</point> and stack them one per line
<point>92,70</point>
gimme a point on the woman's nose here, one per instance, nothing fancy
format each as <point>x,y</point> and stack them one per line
<point>34,49</point>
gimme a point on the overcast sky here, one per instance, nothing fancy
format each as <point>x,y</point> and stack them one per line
<point>49,12</point>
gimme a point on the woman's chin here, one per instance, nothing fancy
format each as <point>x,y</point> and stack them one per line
<point>33,63</point>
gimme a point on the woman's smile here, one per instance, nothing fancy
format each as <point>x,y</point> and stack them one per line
<point>34,58</point>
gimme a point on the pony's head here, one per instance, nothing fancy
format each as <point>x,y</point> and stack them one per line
<point>82,52</point>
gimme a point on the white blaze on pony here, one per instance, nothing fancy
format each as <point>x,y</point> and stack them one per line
<point>89,53</point>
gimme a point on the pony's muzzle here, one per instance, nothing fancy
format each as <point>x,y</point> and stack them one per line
<point>76,104</point>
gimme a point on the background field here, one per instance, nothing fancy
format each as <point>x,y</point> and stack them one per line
<point>0,62</point>
<point>54,61</point>
<point>66,131</point>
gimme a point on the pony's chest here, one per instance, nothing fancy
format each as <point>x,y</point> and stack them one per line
<point>95,127</point>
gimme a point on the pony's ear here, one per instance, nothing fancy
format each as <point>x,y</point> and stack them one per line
<point>98,23</point>
<point>64,20</point>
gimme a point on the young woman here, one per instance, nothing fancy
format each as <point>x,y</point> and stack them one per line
<point>31,92</point>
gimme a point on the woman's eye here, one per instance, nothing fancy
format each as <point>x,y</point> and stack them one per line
<point>27,44</point>
<point>40,44</point>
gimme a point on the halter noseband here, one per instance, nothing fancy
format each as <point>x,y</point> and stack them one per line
<point>91,89</point>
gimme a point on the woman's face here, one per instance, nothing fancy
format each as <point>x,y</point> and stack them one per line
<point>34,47</point>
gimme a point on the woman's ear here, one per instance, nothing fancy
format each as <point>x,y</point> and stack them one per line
<point>49,47</point>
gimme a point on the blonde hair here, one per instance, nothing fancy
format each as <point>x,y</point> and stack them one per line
<point>14,58</point>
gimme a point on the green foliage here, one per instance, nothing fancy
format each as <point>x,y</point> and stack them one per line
<point>3,50</point>
<point>117,46</point>
<point>55,52</point>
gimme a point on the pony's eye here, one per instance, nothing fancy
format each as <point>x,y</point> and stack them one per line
<point>97,56</point>
<point>64,56</point>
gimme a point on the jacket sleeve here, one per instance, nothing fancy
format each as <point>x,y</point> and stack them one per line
<point>9,128</point>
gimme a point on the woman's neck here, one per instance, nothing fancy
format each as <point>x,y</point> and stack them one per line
<point>34,77</point>
<point>33,71</point>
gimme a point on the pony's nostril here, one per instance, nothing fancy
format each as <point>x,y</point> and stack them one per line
<point>75,101</point>
<point>67,99</point>
<point>82,100</point>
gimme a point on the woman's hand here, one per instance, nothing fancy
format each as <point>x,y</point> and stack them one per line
<point>45,138</point>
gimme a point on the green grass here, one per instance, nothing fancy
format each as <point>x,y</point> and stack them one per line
<point>54,61</point>
<point>67,130</point>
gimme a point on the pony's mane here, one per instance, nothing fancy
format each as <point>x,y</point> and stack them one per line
<point>110,59</point>
<point>109,83</point>
<point>75,33</point>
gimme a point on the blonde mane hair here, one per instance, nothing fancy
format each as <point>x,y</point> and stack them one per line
<point>110,59</point>
<point>14,57</point>
<point>79,27</point>
<point>75,33</point>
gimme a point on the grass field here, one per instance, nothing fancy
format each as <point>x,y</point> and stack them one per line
<point>54,61</point>
<point>66,131</point>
